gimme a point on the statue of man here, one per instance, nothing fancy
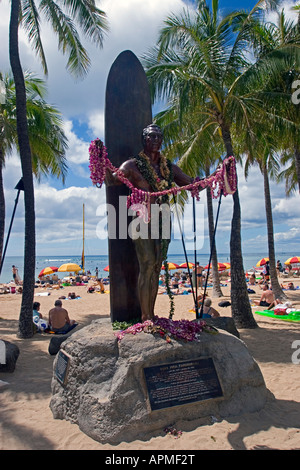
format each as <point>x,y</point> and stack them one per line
<point>150,171</point>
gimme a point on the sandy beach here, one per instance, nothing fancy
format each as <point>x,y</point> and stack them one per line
<point>26,421</point>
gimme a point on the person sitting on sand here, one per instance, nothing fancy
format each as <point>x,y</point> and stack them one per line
<point>290,286</point>
<point>100,286</point>
<point>267,298</point>
<point>199,300</point>
<point>252,280</point>
<point>59,320</point>
<point>35,310</point>
<point>208,310</point>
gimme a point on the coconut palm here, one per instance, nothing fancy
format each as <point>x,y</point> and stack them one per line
<point>200,63</point>
<point>26,14</point>
<point>48,142</point>
<point>281,133</point>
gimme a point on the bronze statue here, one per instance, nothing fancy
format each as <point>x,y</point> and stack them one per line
<point>150,171</point>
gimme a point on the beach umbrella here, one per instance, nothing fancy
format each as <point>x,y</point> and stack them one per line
<point>171,266</point>
<point>293,260</point>
<point>69,267</point>
<point>227,265</point>
<point>185,265</point>
<point>48,270</point>
<point>262,262</point>
<point>221,266</point>
<point>106,269</point>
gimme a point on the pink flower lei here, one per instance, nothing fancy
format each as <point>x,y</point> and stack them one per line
<point>223,180</point>
<point>184,330</point>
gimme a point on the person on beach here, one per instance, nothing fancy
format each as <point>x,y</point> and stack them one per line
<point>15,275</point>
<point>198,276</point>
<point>35,310</point>
<point>208,310</point>
<point>40,323</point>
<point>267,298</point>
<point>266,271</point>
<point>59,320</point>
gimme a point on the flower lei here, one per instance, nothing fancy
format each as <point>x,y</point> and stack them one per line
<point>148,172</point>
<point>184,330</point>
<point>223,180</point>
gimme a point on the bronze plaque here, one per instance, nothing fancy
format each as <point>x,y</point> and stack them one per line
<point>62,367</point>
<point>183,382</point>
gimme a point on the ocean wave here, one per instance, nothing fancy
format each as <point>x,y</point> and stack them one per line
<point>59,259</point>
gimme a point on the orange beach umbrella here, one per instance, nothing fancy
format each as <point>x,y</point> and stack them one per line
<point>106,269</point>
<point>69,267</point>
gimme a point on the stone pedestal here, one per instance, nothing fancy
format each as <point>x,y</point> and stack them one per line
<point>10,353</point>
<point>105,392</point>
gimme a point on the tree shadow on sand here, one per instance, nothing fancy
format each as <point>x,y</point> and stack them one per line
<point>279,414</point>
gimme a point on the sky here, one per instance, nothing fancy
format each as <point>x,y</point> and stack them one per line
<point>134,25</point>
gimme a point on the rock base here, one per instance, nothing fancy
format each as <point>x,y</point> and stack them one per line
<point>106,394</point>
<point>12,353</point>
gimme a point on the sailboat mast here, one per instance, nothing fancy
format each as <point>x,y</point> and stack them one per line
<point>83,238</point>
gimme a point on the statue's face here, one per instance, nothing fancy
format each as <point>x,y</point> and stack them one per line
<point>153,140</point>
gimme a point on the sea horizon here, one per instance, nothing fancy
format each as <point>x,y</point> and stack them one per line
<point>101,261</point>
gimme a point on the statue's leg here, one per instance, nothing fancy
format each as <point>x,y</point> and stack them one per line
<point>156,271</point>
<point>146,251</point>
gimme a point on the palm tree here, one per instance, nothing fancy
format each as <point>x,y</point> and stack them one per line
<point>26,13</point>
<point>281,133</point>
<point>200,63</point>
<point>48,142</point>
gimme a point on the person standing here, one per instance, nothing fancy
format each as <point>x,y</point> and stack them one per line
<point>15,274</point>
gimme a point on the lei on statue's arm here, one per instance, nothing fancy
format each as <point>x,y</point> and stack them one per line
<point>223,180</point>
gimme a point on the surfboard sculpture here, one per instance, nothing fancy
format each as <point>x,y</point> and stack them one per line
<point>127,113</point>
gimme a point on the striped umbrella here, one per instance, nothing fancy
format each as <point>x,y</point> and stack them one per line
<point>171,266</point>
<point>106,269</point>
<point>221,267</point>
<point>262,262</point>
<point>185,265</point>
<point>48,270</point>
<point>293,260</point>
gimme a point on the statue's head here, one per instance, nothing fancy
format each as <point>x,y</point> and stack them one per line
<point>152,133</point>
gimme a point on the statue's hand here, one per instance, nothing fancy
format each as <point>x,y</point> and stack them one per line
<point>110,179</point>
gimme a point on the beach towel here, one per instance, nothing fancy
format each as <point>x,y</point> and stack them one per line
<point>290,317</point>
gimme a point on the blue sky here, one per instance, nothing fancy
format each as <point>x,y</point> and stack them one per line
<point>134,25</point>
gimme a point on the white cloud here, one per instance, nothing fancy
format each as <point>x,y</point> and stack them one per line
<point>78,151</point>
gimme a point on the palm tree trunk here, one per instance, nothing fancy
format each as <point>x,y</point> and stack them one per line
<point>2,206</point>
<point>217,292</point>
<point>25,320</point>
<point>297,161</point>
<point>240,305</point>
<point>278,293</point>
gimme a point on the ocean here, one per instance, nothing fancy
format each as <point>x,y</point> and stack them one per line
<point>101,261</point>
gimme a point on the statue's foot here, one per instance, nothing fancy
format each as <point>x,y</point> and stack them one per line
<point>146,317</point>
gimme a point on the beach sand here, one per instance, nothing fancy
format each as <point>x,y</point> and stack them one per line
<point>26,421</point>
